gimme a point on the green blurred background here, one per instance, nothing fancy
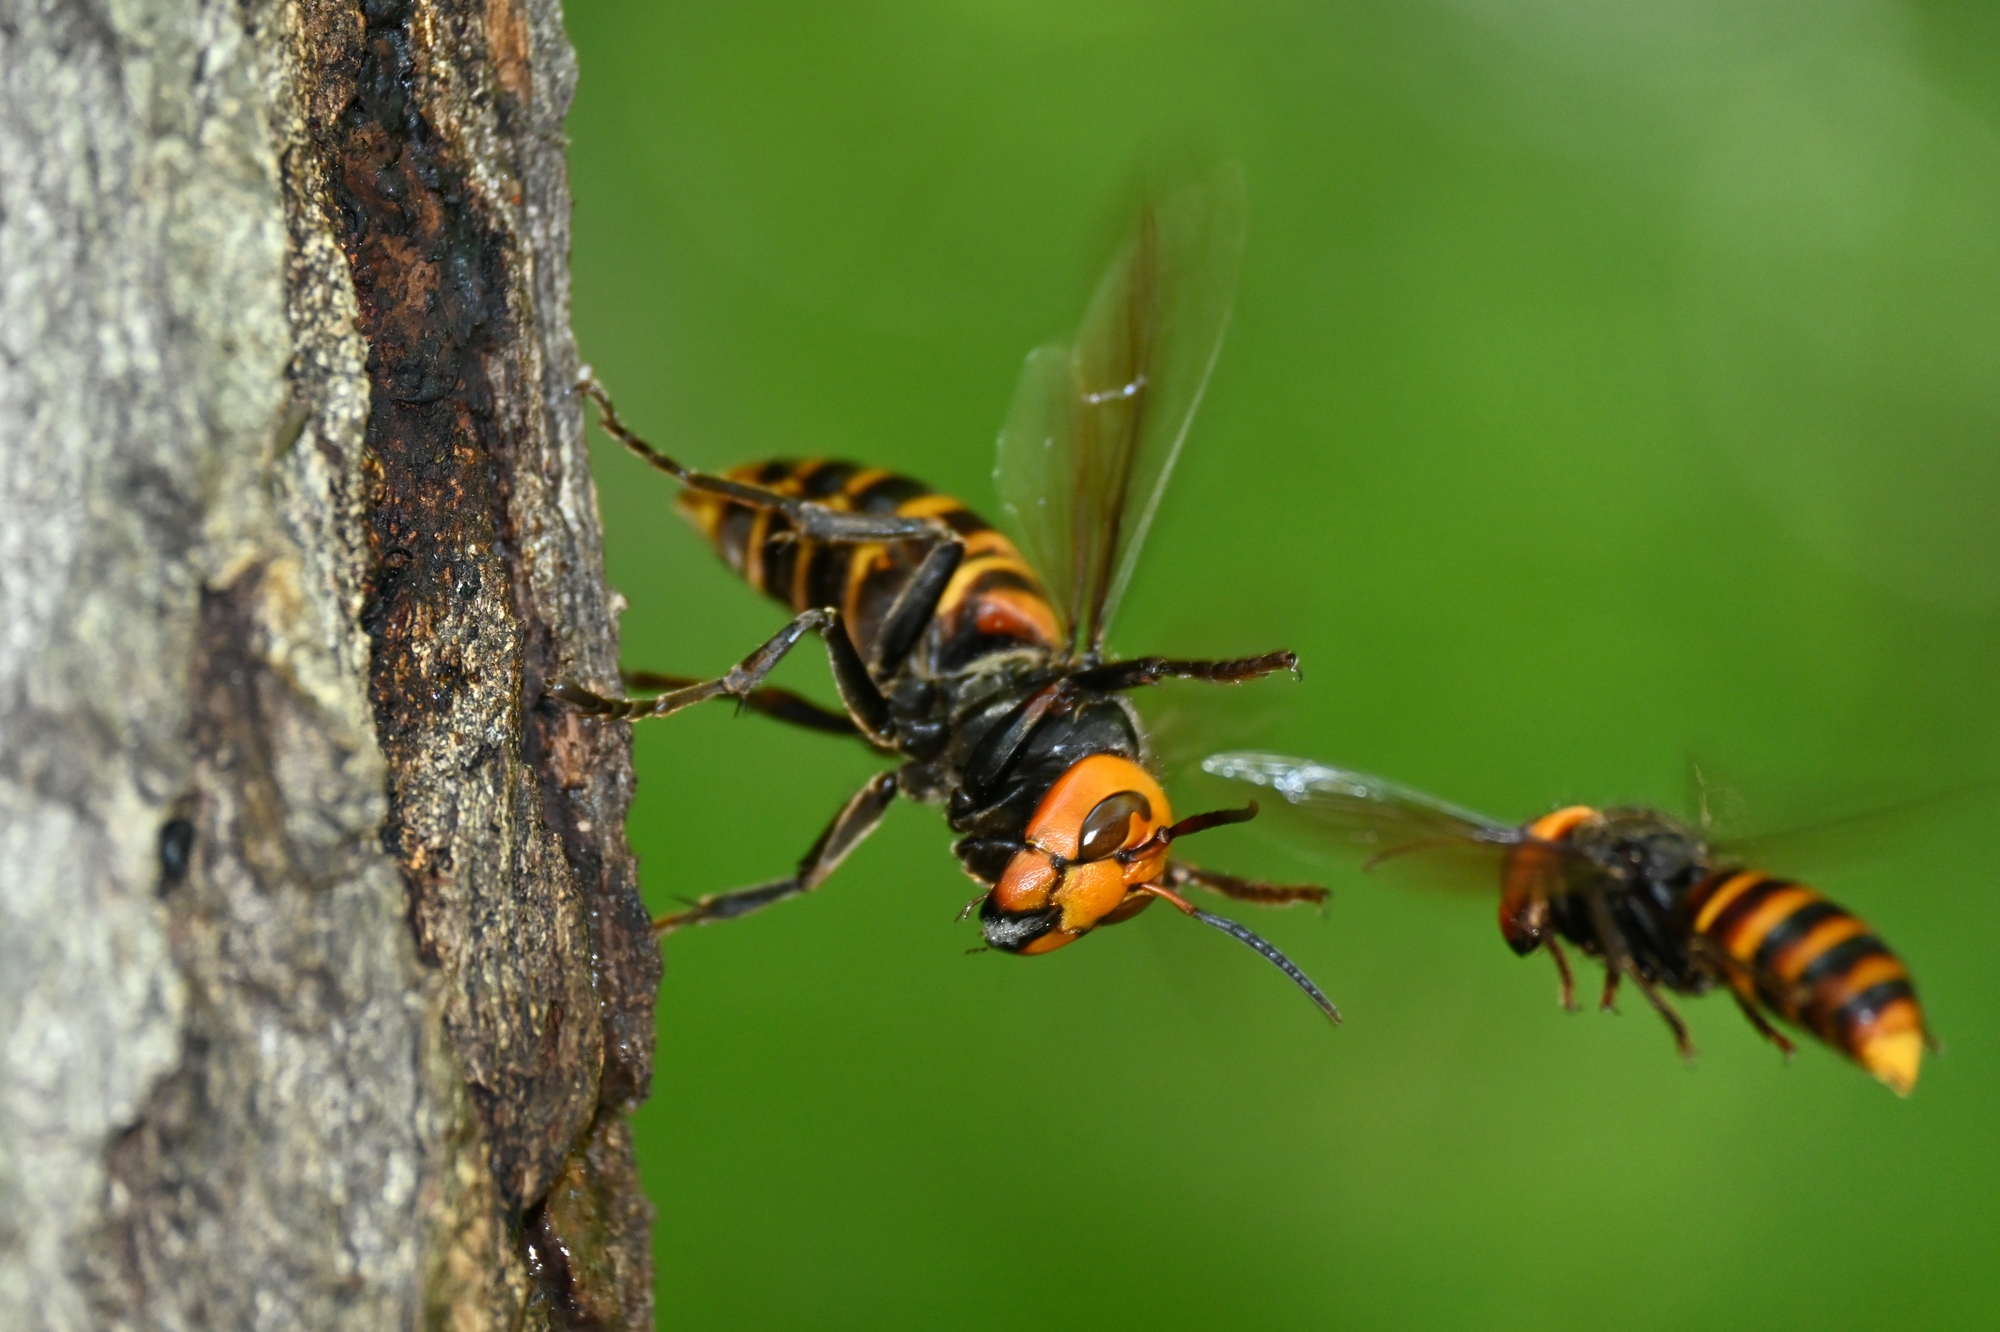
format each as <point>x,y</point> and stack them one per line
<point>1612,385</point>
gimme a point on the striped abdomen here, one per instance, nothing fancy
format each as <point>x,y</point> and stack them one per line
<point>1793,952</point>
<point>994,600</point>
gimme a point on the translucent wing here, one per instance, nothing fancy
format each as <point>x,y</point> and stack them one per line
<point>1372,814</point>
<point>1797,830</point>
<point>1454,845</point>
<point>1182,726</point>
<point>1096,427</point>
<point>1365,808</point>
<point>1846,840</point>
<point>1034,469</point>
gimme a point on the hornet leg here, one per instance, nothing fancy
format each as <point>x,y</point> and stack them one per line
<point>1566,982</point>
<point>1141,671</point>
<point>741,682</point>
<point>782,704</point>
<point>1667,1015</point>
<point>857,818</point>
<point>813,521</point>
<point>866,707</point>
<point>1618,959</point>
<point>1765,1029</point>
<point>901,628</point>
<point>915,606</point>
<point>1743,989</point>
<point>1242,890</point>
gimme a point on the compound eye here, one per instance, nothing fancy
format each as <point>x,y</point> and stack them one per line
<point>1110,823</point>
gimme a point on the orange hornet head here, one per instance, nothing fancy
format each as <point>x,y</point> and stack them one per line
<point>1524,897</point>
<point>1089,846</point>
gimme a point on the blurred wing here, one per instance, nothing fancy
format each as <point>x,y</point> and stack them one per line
<point>1096,427</point>
<point>1844,841</point>
<point>1374,813</point>
<point>1716,802</point>
<point>1034,470</point>
<point>1184,726</point>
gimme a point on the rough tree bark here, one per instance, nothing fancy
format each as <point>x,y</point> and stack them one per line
<point>324,983</point>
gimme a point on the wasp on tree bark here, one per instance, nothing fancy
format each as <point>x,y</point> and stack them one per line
<point>982,670</point>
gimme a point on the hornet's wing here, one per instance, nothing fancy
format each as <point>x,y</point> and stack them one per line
<point>1097,424</point>
<point>1341,809</point>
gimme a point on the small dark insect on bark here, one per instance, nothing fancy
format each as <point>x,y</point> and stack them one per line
<point>176,846</point>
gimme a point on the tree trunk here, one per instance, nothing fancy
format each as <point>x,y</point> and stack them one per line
<point>324,981</point>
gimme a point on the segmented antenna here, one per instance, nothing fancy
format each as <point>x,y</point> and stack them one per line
<point>1250,939</point>
<point>1270,953</point>
<point>1187,827</point>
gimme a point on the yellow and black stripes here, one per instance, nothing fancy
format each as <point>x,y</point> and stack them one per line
<point>993,600</point>
<point>1791,951</point>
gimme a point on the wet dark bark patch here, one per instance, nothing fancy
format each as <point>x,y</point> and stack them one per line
<point>505,814</point>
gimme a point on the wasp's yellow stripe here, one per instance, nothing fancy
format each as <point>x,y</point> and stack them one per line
<point>971,571</point>
<point>1731,888</point>
<point>753,548</point>
<point>1790,964</point>
<point>863,479</point>
<point>861,562</point>
<point>1748,934</point>
<point>1870,970</point>
<point>929,506</point>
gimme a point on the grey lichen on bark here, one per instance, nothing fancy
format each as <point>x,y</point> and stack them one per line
<point>323,981</point>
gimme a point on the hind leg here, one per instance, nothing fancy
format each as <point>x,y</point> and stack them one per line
<point>809,519</point>
<point>1139,672</point>
<point>856,819</point>
<point>1565,979</point>
<point>1618,961</point>
<point>742,682</point>
<point>771,701</point>
<point>1682,1042</point>
<point>1764,1028</point>
<point>866,707</point>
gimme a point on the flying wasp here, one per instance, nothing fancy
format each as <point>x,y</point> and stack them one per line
<point>1649,896</point>
<point>983,671</point>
